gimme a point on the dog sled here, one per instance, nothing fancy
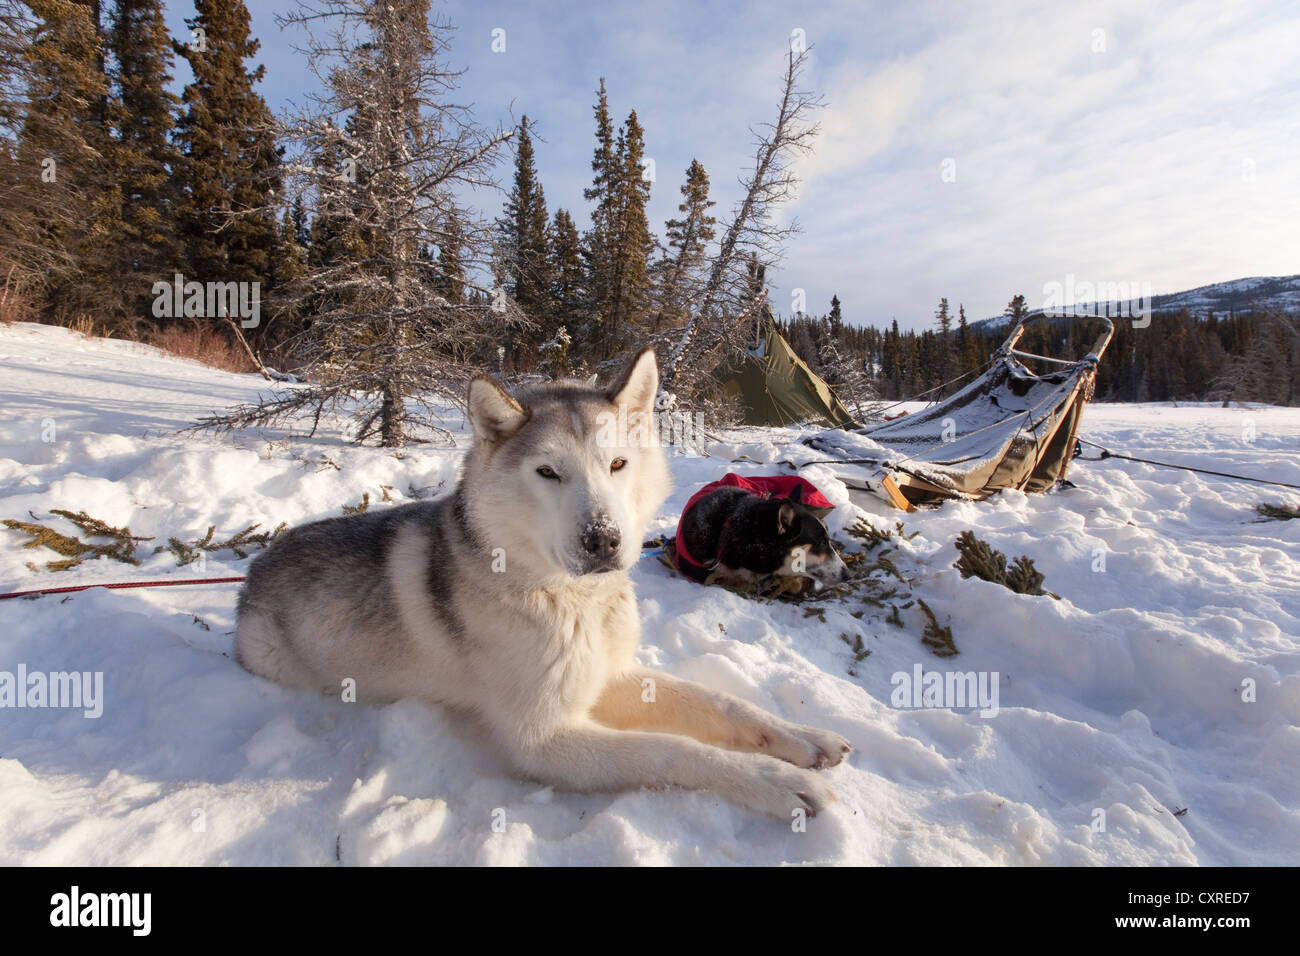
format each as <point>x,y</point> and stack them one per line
<point>1009,428</point>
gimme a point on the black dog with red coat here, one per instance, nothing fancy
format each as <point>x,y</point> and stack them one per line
<point>757,529</point>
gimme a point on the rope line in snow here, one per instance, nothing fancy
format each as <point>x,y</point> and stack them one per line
<point>1107,453</point>
<point>73,588</point>
<point>69,589</point>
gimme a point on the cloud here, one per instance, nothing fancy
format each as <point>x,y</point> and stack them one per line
<point>1168,155</point>
<point>1119,163</point>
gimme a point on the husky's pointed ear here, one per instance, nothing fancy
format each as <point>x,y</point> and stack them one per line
<point>637,385</point>
<point>796,494</point>
<point>493,414</point>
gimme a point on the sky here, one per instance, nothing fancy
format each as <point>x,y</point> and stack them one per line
<point>968,150</point>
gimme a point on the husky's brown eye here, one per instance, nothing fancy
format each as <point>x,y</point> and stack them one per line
<point>546,471</point>
<point>617,464</point>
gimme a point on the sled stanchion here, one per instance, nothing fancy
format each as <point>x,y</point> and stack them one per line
<point>896,495</point>
<point>1098,347</point>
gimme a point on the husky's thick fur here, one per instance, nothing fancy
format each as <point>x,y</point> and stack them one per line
<point>509,600</point>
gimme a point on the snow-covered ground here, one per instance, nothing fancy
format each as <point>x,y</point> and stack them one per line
<point>1123,703</point>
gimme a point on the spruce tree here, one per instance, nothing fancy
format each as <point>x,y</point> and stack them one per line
<point>966,357</point>
<point>942,363</point>
<point>64,196</point>
<point>566,269</point>
<point>804,346</point>
<point>15,34</point>
<point>142,157</point>
<point>596,243</point>
<point>17,226</point>
<point>1268,370</point>
<point>618,245</point>
<point>301,228</point>
<point>449,272</point>
<point>290,259</point>
<point>681,272</point>
<point>334,237</point>
<point>522,233</point>
<point>889,362</point>
<point>1016,309</point>
<point>333,240</point>
<point>229,173</point>
<point>631,241</point>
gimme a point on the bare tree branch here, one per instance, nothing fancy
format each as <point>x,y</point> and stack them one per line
<point>723,310</point>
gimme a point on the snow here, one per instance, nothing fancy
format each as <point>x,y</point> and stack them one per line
<point>1125,696</point>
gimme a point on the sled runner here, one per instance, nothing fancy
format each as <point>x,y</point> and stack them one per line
<point>1010,428</point>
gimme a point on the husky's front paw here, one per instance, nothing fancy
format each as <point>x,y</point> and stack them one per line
<point>830,747</point>
<point>778,789</point>
<point>805,747</point>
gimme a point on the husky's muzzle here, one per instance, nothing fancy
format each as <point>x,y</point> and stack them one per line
<point>600,545</point>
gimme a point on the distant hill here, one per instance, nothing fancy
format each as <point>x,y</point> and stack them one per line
<point>1239,295</point>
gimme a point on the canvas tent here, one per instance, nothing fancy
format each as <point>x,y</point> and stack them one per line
<point>1010,428</point>
<point>776,387</point>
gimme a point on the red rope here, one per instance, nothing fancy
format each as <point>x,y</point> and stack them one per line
<point>131,584</point>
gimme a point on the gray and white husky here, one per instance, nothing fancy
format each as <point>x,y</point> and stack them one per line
<point>509,600</point>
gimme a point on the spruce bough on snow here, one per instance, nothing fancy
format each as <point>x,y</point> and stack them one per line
<point>74,549</point>
<point>980,560</point>
<point>1281,512</point>
<point>188,553</point>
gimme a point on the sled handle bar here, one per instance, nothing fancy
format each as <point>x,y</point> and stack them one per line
<point>1098,347</point>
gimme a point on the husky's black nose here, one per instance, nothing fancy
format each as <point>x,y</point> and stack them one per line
<point>601,540</point>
